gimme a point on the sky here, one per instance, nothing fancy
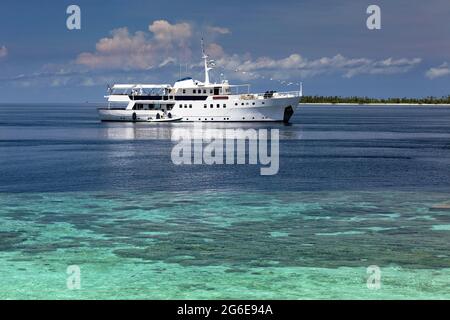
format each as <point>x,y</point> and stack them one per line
<point>272,45</point>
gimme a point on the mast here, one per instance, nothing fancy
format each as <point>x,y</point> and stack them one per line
<point>207,68</point>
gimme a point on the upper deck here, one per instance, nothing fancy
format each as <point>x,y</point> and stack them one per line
<point>188,89</point>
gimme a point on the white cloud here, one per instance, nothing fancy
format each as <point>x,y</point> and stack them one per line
<point>219,30</point>
<point>162,45</point>
<point>140,51</point>
<point>169,34</point>
<point>3,52</point>
<point>297,66</point>
<point>386,67</point>
<point>441,71</point>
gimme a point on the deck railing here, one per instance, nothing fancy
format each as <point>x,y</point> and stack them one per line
<point>274,94</point>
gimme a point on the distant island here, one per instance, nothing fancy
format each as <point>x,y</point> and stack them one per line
<point>366,100</point>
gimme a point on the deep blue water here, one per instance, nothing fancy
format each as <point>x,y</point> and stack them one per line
<point>47,148</point>
<point>357,186</point>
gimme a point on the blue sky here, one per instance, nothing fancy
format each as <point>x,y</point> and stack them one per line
<point>270,44</point>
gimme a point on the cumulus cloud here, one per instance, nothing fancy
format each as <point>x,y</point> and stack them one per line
<point>386,67</point>
<point>440,71</point>
<point>3,52</point>
<point>163,44</point>
<point>140,50</point>
<point>295,65</point>
<point>169,34</point>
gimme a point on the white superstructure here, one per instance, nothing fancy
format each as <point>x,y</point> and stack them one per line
<point>192,100</point>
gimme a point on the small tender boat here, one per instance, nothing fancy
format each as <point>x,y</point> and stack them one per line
<point>164,119</point>
<point>159,114</point>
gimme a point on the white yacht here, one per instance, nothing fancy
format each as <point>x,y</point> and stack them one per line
<point>192,100</point>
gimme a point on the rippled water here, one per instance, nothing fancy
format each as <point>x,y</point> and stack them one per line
<point>357,187</point>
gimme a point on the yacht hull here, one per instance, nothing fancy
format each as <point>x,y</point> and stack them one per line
<point>280,109</point>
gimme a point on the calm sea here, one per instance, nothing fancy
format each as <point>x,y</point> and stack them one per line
<point>357,186</point>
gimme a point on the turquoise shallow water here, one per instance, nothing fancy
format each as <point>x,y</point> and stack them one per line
<point>227,245</point>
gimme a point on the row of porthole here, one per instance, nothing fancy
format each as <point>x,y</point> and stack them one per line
<point>212,106</point>
<point>206,119</point>
<point>205,106</point>
<point>226,119</point>
<point>242,103</point>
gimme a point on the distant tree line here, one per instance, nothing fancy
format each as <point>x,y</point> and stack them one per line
<point>367,100</point>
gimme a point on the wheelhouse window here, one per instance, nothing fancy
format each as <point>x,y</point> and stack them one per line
<point>224,105</point>
<point>205,105</point>
<point>190,106</point>
<point>195,91</point>
<point>184,90</point>
<point>211,106</point>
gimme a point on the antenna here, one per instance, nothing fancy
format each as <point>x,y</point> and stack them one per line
<point>203,48</point>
